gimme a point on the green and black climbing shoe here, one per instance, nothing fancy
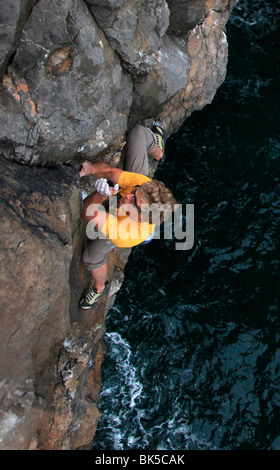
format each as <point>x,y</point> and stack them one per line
<point>160,134</point>
<point>91,298</point>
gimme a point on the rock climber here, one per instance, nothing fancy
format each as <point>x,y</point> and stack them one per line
<point>136,193</point>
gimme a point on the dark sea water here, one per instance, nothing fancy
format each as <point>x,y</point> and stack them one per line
<point>193,339</point>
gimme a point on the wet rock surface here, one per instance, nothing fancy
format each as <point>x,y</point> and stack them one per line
<point>75,75</point>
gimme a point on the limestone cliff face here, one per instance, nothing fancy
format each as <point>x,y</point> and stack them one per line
<point>75,75</point>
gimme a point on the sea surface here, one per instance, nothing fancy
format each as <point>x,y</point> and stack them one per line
<point>193,356</point>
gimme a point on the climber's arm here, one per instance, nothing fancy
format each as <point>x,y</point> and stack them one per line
<point>101,170</point>
<point>93,210</point>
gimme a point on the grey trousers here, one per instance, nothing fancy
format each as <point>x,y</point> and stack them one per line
<point>140,142</point>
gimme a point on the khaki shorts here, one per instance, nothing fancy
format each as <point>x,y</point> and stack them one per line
<point>96,252</point>
<point>140,142</point>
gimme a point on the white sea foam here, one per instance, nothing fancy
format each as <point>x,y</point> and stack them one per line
<point>125,388</point>
<point>121,353</point>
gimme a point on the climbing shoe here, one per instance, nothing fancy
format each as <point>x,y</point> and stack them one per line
<point>160,134</point>
<point>91,298</point>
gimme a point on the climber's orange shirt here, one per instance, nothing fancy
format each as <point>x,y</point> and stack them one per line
<point>122,230</point>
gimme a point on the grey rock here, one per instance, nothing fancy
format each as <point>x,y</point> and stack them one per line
<point>13,15</point>
<point>185,15</point>
<point>169,76</point>
<point>134,29</point>
<point>66,72</point>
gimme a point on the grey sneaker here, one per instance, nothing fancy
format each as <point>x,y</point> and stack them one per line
<point>91,298</point>
<point>160,134</point>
